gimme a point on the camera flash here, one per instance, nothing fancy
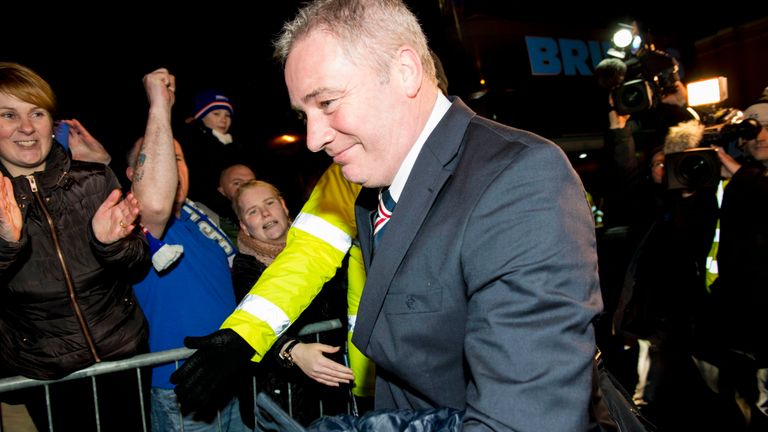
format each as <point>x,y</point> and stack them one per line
<point>708,92</point>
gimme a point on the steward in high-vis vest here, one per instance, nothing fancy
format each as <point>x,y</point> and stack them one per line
<point>319,239</point>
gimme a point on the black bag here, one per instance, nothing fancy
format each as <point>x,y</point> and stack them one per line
<point>612,409</point>
<point>271,417</point>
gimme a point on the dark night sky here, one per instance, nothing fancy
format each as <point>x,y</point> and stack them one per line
<point>95,66</point>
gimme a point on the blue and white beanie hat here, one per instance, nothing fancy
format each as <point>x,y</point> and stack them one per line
<point>211,100</point>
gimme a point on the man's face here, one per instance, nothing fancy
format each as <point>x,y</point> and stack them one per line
<point>232,178</point>
<point>183,187</point>
<point>657,167</point>
<point>758,147</point>
<point>362,123</point>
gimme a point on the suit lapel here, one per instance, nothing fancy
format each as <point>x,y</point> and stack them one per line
<point>366,203</point>
<point>433,167</point>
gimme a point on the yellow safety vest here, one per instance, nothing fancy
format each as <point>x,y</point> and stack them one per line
<point>712,271</point>
<point>318,241</point>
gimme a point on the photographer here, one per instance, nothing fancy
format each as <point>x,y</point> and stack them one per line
<point>646,98</point>
<point>630,199</point>
<point>732,354</point>
<point>661,286</point>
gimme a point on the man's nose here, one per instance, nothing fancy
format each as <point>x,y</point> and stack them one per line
<point>319,133</point>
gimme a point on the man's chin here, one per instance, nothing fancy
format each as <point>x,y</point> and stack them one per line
<point>350,174</point>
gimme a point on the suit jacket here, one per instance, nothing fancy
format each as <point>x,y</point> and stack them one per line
<point>484,286</point>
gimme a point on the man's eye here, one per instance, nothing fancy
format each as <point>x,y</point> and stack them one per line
<point>326,103</point>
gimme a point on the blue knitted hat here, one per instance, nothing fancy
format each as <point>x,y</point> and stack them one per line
<point>211,100</point>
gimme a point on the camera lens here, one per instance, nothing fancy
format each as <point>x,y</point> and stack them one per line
<point>749,129</point>
<point>695,170</point>
<point>633,96</point>
<point>692,168</point>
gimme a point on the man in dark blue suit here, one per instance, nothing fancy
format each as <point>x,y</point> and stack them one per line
<point>481,293</point>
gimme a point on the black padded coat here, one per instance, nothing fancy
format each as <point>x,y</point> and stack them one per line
<point>65,298</point>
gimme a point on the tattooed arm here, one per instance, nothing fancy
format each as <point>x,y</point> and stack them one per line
<point>153,168</point>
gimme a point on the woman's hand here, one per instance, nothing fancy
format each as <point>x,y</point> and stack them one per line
<point>310,358</point>
<point>84,146</point>
<point>114,219</point>
<point>10,214</point>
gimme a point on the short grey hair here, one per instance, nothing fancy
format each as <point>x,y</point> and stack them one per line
<point>369,30</point>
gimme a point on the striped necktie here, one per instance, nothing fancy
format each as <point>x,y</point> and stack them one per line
<point>383,213</point>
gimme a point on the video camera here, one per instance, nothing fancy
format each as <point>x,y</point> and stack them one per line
<point>700,167</point>
<point>727,126</point>
<point>639,82</point>
<point>692,168</point>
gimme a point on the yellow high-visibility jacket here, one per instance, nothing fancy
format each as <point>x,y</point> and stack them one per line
<point>318,241</point>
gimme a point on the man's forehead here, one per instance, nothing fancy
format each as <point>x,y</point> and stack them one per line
<point>239,170</point>
<point>309,64</point>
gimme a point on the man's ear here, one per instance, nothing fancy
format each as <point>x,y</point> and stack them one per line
<point>221,191</point>
<point>410,70</point>
<point>129,173</point>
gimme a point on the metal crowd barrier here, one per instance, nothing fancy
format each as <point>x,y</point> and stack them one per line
<point>138,362</point>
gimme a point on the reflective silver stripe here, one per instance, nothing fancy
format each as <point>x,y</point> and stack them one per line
<point>712,265</point>
<point>266,311</point>
<point>323,230</point>
<point>720,192</point>
<point>351,319</point>
<point>712,260</point>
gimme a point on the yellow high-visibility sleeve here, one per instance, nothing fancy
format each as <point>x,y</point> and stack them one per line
<point>365,374</point>
<point>317,242</point>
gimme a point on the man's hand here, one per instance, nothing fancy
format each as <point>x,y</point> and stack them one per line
<point>615,120</point>
<point>678,98</point>
<point>206,381</point>
<point>160,86</point>
<point>729,164</point>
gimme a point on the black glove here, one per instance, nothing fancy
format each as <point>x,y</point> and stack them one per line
<point>207,381</point>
